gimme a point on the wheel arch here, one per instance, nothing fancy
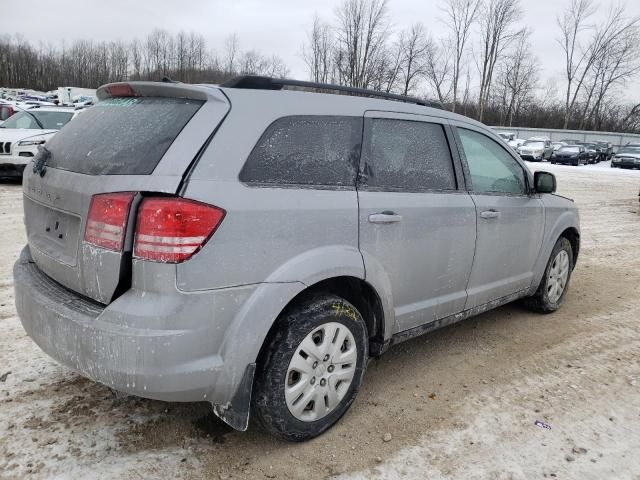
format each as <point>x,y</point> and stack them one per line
<point>356,291</point>
<point>559,222</point>
<point>572,234</point>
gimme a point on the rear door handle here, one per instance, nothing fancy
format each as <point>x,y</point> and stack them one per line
<point>490,214</point>
<point>385,217</point>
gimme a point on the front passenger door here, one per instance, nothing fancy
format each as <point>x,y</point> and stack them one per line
<point>510,222</point>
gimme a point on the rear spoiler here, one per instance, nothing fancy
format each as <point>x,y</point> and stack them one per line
<point>157,89</point>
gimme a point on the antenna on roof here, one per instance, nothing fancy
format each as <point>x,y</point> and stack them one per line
<point>267,83</point>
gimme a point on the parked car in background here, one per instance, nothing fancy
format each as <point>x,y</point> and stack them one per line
<point>571,141</point>
<point>593,152</point>
<point>626,157</point>
<point>511,139</point>
<point>23,125</point>
<point>535,150</point>
<point>557,145</point>
<point>507,136</point>
<point>260,247</point>
<point>570,155</point>
<point>6,110</point>
<point>606,150</point>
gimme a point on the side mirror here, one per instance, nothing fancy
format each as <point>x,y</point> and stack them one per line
<point>544,182</point>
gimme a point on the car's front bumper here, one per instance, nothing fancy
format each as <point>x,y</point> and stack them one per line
<point>534,157</point>
<point>10,170</point>
<point>625,163</point>
<point>565,160</point>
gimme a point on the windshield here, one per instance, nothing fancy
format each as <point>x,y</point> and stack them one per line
<point>635,150</point>
<point>37,120</point>
<point>533,143</point>
<point>570,149</point>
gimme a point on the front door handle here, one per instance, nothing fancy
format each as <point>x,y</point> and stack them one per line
<point>385,217</point>
<point>490,214</point>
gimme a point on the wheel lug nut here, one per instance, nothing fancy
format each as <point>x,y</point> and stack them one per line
<point>315,364</point>
<point>313,380</point>
<point>323,382</point>
<point>326,357</point>
<point>330,368</point>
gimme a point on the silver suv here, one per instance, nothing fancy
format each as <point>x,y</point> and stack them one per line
<point>253,246</point>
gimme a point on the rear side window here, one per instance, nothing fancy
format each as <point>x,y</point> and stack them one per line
<point>407,155</point>
<point>121,135</point>
<point>306,150</point>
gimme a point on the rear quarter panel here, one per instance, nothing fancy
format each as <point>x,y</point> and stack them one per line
<point>283,234</point>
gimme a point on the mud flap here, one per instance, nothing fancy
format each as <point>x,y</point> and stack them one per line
<point>236,412</point>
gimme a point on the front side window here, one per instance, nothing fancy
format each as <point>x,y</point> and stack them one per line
<point>306,150</point>
<point>407,155</point>
<point>492,169</point>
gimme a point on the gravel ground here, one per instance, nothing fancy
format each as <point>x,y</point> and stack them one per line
<point>458,403</point>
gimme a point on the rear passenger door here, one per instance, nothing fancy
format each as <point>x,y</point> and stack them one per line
<point>417,223</point>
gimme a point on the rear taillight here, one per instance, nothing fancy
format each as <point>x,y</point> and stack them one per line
<point>107,220</point>
<point>170,230</point>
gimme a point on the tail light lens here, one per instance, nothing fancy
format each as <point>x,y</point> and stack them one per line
<point>171,230</point>
<point>120,90</point>
<point>107,220</point>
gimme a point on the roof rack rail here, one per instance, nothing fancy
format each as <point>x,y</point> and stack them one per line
<point>268,83</point>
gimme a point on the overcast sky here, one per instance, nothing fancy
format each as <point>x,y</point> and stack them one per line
<point>274,26</point>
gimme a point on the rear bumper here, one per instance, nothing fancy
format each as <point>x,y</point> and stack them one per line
<point>139,343</point>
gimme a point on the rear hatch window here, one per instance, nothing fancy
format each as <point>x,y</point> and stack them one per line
<point>121,136</point>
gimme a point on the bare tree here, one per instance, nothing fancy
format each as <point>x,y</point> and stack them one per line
<point>497,19</point>
<point>618,60</point>
<point>231,48</point>
<point>517,78</point>
<point>361,36</point>
<point>459,17</point>
<point>438,63</point>
<point>578,59</point>
<point>585,56</point>
<point>318,53</point>
<point>415,47</point>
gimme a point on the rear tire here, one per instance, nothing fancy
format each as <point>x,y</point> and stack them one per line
<point>548,298</point>
<point>301,388</point>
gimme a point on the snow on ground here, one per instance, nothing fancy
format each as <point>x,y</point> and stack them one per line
<point>458,403</point>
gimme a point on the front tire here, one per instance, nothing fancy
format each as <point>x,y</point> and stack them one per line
<point>555,282</point>
<point>311,369</point>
